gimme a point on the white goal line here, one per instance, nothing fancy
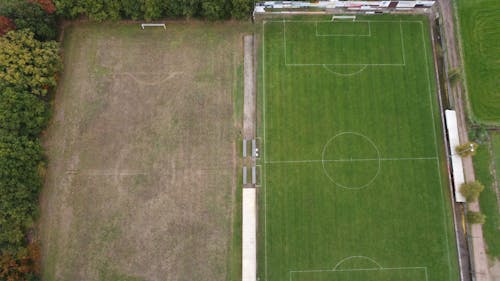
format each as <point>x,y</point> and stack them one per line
<point>143,25</point>
<point>343,18</point>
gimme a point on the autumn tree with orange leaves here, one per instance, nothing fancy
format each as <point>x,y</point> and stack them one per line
<point>6,25</point>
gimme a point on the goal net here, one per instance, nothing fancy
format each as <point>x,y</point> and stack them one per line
<point>143,25</point>
<point>336,18</point>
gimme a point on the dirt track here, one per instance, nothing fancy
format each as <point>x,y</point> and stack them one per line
<point>249,99</point>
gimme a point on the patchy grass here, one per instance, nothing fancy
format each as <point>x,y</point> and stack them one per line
<point>480,36</point>
<point>142,169</point>
<point>488,199</point>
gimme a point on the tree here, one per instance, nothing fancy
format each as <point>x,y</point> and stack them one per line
<point>132,9</point>
<point>466,149</point>
<point>21,266</point>
<point>213,9</point>
<point>241,9</point>
<point>22,113</point>
<point>46,5</point>
<point>471,190</point>
<point>476,217</point>
<point>153,9</point>
<point>31,16</point>
<point>28,64</point>
<point>454,76</point>
<point>6,25</point>
<point>479,134</point>
<point>20,182</point>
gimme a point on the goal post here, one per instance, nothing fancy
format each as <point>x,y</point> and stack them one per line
<point>143,25</point>
<point>353,18</point>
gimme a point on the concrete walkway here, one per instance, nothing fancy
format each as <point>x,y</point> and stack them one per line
<point>479,257</point>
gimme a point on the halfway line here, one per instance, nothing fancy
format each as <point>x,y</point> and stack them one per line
<point>351,160</point>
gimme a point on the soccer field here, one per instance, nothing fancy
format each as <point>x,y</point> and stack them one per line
<point>354,186</point>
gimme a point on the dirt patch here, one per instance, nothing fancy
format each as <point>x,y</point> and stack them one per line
<point>249,86</point>
<point>141,164</point>
<point>495,270</point>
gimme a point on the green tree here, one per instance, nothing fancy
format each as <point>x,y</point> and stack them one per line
<point>22,113</point>
<point>479,134</point>
<point>132,9</point>
<point>476,217</point>
<point>69,8</point>
<point>214,9</point>
<point>153,9</point>
<point>20,182</point>
<point>466,149</point>
<point>30,15</point>
<point>471,190</point>
<point>241,9</point>
<point>28,64</point>
<point>454,76</point>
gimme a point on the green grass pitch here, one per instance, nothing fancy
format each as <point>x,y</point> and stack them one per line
<point>354,185</point>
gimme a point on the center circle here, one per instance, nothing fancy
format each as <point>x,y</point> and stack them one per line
<point>351,160</point>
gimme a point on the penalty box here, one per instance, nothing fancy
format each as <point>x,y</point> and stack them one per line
<point>385,274</point>
<point>360,42</point>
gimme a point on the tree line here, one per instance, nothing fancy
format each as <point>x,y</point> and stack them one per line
<point>100,10</point>
<point>29,63</point>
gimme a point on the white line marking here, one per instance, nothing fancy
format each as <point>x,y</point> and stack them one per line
<point>342,35</point>
<point>378,267</point>
<point>284,40</point>
<point>284,21</point>
<point>355,257</point>
<point>351,160</point>
<point>263,145</point>
<point>150,83</point>
<point>345,64</point>
<point>345,74</point>
<point>402,43</point>
<point>265,150</point>
<point>361,269</point>
<point>436,148</point>
<point>291,272</point>
<point>333,178</point>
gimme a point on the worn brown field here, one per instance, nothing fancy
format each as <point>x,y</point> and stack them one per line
<point>142,154</point>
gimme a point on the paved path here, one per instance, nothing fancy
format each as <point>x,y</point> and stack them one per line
<point>480,261</point>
